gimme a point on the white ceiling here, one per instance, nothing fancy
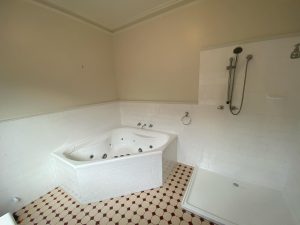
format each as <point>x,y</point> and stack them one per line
<point>113,15</point>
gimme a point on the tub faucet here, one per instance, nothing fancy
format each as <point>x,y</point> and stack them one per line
<point>144,125</point>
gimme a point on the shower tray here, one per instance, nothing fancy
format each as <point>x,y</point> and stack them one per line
<point>227,201</point>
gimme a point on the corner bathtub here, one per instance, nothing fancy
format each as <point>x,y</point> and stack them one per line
<point>119,162</point>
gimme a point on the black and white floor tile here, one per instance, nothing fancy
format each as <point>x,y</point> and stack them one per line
<point>156,206</point>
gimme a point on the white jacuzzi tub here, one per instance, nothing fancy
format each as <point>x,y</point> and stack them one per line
<point>119,162</point>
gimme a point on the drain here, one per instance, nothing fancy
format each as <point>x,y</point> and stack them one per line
<point>140,150</point>
<point>104,156</point>
<point>91,156</point>
<point>235,184</point>
<point>150,146</point>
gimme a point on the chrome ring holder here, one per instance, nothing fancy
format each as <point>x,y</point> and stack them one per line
<point>186,119</point>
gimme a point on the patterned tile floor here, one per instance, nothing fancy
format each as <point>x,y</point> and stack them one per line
<point>155,206</point>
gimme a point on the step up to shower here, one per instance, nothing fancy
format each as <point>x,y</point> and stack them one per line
<point>230,202</point>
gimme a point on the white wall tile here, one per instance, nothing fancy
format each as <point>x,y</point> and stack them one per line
<point>26,144</point>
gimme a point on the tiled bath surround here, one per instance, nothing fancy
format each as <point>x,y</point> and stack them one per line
<point>26,144</point>
<point>241,147</point>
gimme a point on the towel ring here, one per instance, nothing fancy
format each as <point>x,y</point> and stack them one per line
<point>186,119</point>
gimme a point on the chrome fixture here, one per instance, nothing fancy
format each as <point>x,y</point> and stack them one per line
<point>233,63</point>
<point>142,126</point>
<point>186,119</point>
<point>220,107</point>
<point>249,57</point>
<point>235,184</point>
<point>296,52</point>
<point>231,66</point>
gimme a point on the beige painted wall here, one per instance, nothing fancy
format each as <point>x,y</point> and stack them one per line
<point>50,62</point>
<point>159,59</point>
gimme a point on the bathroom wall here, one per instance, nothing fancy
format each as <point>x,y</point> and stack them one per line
<point>50,62</point>
<point>261,145</point>
<point>158,59</point>
<point>26,146</point>
<point>292,188</point>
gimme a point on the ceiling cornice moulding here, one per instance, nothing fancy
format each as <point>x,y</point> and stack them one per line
<point>145,15</point>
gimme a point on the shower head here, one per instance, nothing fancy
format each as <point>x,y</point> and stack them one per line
<point>237,50</point>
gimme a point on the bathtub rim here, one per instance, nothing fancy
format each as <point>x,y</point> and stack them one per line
<point>59,152</point>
